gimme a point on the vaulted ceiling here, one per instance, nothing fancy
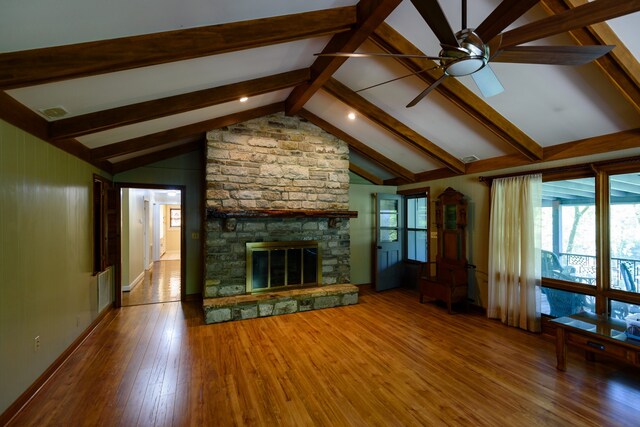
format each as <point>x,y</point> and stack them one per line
<point>142,81</point>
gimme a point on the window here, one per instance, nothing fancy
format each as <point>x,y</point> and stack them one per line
<point>569,230</point>
<point>591,240</point>
<point>417,227</point>
<point>174,218</point>
<point>389,221</point>
<point>624,231</point>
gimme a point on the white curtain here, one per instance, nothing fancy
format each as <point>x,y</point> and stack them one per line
<point>514,251</point>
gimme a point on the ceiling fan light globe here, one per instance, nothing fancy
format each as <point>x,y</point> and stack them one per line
<point>464,66</point>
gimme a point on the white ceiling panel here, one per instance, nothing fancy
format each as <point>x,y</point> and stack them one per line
<point>370,134</point>
<point>111,136</point>
<point>148,151</point>
<point>368,165</point>
<point>42,23</point>
<point>557,104</point>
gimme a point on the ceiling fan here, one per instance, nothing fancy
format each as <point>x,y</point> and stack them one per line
<point>469,51</point>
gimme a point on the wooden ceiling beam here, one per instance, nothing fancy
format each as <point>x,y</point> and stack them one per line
<point>365,174</point>
<point>584,147</point>
<point>370,14</point>
<point>619,66</point>
<point>165,137</point>
<point>37,66</point>
<point>596,145</point>
<point>157,156</point>
<point>496,163</point>
<point>392,42</point>
<point>148,110</point>
<point>392,125</point>
<point>366,151</point>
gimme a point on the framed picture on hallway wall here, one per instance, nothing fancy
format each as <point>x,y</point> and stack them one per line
<point>174,217</point>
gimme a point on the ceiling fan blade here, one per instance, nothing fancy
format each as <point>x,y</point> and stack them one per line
<point>487,82</point>
<point>398,78</point>
<point>580,16</point>
<point>425,92</point>
<point>557,55</point>
<point>503,16</point>
<point>434,16</point>
<point>377,54</point>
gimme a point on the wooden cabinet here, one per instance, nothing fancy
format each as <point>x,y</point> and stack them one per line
<point>449,282</point>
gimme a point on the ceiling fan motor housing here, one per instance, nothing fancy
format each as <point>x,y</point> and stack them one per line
<point>470,56</point>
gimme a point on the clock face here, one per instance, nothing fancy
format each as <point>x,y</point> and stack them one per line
<point>450,217</point>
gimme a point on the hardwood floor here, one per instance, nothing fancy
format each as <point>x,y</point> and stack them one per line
<point>160,284</point>
<point>386,361</point>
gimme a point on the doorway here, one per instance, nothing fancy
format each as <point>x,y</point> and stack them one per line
<point>152,245</point>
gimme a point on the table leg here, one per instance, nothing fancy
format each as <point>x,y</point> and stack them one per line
<point>561,350</point>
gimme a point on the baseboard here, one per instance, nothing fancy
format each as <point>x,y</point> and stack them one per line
<point>30,392</point>
<point>136,281</point>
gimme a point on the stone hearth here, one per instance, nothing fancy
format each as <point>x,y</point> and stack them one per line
<point>264,177</point>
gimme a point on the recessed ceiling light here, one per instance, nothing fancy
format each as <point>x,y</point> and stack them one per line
<point>244,99</point>
<point>54,112</point>
<point>352,116</point>
<point>469,159</point>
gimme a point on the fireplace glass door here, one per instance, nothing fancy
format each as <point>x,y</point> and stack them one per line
<point>279,265</point>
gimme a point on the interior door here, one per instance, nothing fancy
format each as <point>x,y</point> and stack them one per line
<point>389,218</point>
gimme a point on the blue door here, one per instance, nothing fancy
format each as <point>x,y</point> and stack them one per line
<point>388,269</point>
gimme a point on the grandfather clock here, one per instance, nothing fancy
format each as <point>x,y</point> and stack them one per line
<point>449,284</point>
<point>451,221</point>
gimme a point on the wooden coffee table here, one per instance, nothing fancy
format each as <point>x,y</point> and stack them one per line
<point>596,335</point>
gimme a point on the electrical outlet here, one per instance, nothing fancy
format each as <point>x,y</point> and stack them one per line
<point>195,235</point>
<point>36,343</point>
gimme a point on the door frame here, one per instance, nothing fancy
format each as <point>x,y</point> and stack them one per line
<point>118,186</point>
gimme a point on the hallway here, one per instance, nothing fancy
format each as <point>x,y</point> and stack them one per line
<point>160,284</point>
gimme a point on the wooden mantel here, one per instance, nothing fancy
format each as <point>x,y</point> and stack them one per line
<point>273,213</point>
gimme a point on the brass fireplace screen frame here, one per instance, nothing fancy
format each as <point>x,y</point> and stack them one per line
<point>305,247</point>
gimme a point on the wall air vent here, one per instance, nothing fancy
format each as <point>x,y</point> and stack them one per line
<point>470,159</point>
<point>54,112</point>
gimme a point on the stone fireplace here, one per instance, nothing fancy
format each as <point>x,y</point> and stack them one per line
<point>273,181</point>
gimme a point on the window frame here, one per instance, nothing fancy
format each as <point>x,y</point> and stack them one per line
<point>415,194</point>
<point>602,290</point>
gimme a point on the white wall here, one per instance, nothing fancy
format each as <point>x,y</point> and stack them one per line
<point>362,229</point>
<point>133,246</point>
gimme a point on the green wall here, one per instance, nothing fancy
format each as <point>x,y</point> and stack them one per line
<point>46,283</point>
<point>363,229</point>
<point>184,170</point>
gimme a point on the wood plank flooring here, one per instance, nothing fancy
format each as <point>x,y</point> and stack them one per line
<point>388,361</point>
<point>160,284</point>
